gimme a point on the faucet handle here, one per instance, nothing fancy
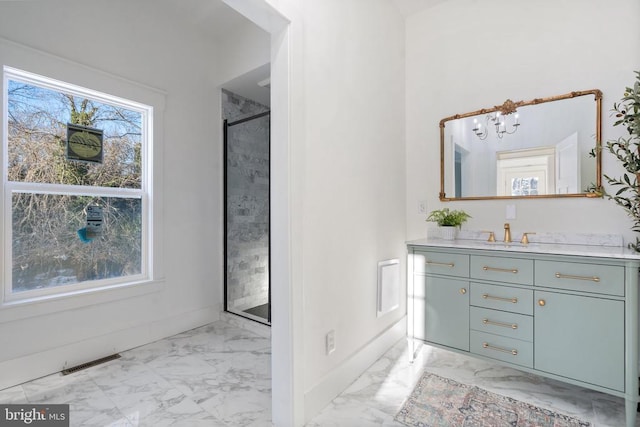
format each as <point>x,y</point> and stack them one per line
<point>525,237</point>
<point>492,236</point>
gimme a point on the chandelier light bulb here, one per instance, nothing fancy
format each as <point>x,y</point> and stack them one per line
<point>499,121</point>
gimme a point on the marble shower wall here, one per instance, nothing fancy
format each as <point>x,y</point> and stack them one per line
<point>247,203</point>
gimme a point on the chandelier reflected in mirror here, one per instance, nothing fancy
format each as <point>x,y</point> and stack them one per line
<point>500,121</point>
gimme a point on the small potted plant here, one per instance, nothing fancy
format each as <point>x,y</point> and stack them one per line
<point>449,221</point>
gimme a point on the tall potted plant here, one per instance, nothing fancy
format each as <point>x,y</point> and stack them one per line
<point>449,221</point>
<point>627,151</point>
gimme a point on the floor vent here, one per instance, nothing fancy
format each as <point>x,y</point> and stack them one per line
<point>90,364</point>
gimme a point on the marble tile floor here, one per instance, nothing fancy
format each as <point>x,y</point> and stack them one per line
<point>377,395</point>
<point>219,376</point>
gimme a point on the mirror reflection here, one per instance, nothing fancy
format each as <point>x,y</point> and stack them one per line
<point>537,148</point>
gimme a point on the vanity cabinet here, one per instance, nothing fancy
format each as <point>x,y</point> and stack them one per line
<point>579,321</point>
<point>556,312</point>
<point>447,314</point>
<point>580,337</point>
<point>443,299</point>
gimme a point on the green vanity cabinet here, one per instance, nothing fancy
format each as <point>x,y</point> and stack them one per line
<point>441,303</point>
<point>580,320</point>
<point>580,337</point>
<point>447,312</point>
<point>568,312</point>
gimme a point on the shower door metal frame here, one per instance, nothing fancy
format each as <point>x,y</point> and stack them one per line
<point>226,126</point>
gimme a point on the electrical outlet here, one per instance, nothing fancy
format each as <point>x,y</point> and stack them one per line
<point>331,341</point>
<point>422,207</point>
<point>510,212</point>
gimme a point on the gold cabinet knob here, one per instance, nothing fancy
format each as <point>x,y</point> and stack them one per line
<point>463,291</point>
<point>542,302</point>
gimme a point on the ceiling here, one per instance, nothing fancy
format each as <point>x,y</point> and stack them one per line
<point>211,18</point>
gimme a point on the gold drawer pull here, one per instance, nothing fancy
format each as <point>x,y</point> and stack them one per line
<point>569,276</point>
<point>504,350</point>
<point>463,291</point>
<point>513,300</point>
<point>504,325</point>
<point>444,264</point>
<point>501,270</point>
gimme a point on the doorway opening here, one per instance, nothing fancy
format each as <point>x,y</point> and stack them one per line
<point>247,255</point>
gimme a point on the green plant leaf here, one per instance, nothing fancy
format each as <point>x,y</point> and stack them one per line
<point>627,152</point>
<point>446,217</point>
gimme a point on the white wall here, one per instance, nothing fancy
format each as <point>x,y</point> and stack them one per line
<point>146,45</point>
<point>354,171</point>
<point>347,165</point>
<point>463,55</point>
<point>345,189</point>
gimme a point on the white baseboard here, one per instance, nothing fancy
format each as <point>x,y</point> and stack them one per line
<point>347,372</point>
<point>248,324</point>
<point>27,368</point>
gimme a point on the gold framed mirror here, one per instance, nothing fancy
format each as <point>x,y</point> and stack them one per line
<point>526,149</point>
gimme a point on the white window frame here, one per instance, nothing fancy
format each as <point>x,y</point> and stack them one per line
<point>145,193</point>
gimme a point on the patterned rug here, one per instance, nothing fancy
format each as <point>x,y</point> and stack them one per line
<point>441,402</point>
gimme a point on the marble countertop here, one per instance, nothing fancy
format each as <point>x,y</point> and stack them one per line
<point>580,249</point>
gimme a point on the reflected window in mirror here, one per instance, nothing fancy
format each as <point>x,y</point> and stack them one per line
<point>543,152</point>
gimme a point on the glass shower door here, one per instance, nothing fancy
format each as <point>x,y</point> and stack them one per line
<point>247,234</point>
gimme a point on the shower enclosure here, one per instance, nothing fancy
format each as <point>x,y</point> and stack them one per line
<point>246,217</point>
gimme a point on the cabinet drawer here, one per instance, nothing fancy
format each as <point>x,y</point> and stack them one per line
<point>502,269</point>
<point>502,348</point>
<point>505,298</point>
<point>518,326</point>
<point>441,263</point>
<point>596,278</point>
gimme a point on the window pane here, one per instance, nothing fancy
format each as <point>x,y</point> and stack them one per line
<point>48,251</point>
<point>37,134</point>
<point>524,186</point>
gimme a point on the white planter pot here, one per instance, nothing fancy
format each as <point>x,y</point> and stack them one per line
<point>448,233</point>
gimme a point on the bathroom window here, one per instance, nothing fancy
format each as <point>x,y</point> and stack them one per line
<point>76,188</point>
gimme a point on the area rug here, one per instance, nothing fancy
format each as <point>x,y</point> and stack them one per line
<point>441,402</point>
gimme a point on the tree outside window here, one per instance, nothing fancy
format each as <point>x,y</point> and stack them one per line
<point>48,194</point>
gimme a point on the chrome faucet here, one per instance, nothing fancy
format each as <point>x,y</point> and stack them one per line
<point>507,233</point>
